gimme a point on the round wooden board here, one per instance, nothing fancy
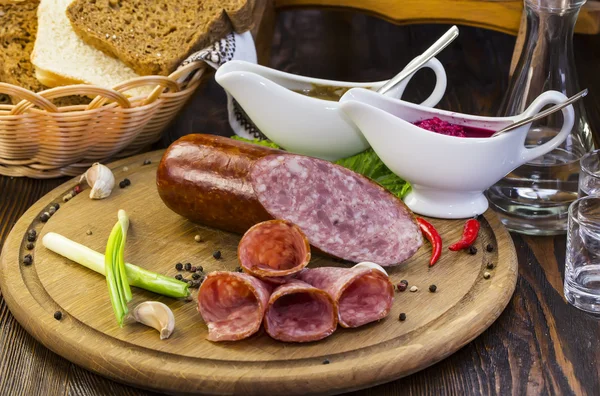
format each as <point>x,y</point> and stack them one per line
<point>437,324</point>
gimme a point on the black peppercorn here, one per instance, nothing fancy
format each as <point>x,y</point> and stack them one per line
<point>56,206</point>
<point>402,317</point>
<point>200,268</point>
<point>490,265</point>
<point>193,269</point>
<point>196,276</point>
<point>45,217</point>
<point>472,250</point>
<point>178,266</point>
<point>27,260</point>
<point>58,315</point>
<point>239,269</point>
<point>432,288</point>
<point>489,247</point>
<point>188,266</point>
<point>179,277</point>
<point>402,285</point>
<point>31,235</point>
<point>122,184</point>
<point>127,182</point>
<point>30,246</point>
<point>217,254</point>
<point>147,162</point>
<point>326,361</point>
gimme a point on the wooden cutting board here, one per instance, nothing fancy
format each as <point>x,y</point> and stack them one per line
<point>437,324</point>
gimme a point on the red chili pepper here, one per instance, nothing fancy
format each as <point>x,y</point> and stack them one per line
<point>469,235</point>
<point>433,237</point>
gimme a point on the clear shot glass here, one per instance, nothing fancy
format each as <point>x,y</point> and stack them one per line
<point>582,266</point>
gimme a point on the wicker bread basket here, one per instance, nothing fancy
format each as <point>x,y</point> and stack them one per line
<point>40,140</point>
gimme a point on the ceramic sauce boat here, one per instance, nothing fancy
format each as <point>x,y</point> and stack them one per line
<point>300,123</point>
<point>448,174</point>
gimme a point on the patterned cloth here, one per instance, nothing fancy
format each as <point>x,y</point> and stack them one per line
<point>232,47</point>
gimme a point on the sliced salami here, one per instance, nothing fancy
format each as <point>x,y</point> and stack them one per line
<point>232,304</point>
<point>299,312</point>
<point>342,213</point>
<point>274,249</point>
<point>361,295</point>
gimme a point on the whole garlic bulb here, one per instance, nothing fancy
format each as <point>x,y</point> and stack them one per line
<point>101,179</point>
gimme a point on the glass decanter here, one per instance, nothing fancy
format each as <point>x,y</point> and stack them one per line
<point>534,198</point>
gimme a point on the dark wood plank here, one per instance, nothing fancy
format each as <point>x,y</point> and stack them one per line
<point>539,345</point>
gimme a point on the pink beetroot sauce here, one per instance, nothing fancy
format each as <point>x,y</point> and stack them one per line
<point>446,128</point>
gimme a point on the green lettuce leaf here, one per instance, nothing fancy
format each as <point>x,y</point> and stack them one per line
<point>266,143</point>
<point>366,163</point>
<point>370,165</point>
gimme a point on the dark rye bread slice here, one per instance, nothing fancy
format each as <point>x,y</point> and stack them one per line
<point>152,36</point>
<point>18,27</point>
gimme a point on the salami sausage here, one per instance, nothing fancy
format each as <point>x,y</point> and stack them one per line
<point>232,304</point>
<point>231,185</point>
<point>343,213</point>
<point>299,312</point>
<point>273,249</point>
<point>361,295</point>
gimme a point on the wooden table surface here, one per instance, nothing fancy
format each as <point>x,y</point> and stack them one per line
<point>539,345</point>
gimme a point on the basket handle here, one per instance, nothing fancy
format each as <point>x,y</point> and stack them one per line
<point>177,77</point>
<point>83,89</point>
<point>28,99</point>
<point>79,89</point>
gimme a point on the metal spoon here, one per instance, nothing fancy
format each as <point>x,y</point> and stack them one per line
<point>542,114</point>
<point>419,61</point>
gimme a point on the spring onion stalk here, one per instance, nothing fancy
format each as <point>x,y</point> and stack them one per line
<point>114,262</point>
<point>94,261</point>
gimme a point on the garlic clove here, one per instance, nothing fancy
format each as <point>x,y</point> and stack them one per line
<point>101,179</point>
<point>156,315</point>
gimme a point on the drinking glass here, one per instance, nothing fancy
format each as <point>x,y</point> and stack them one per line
<point>589,175</point>
<point>582,267</point>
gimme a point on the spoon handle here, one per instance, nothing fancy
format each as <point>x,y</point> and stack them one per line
<point>542,114</point>
<point>419,61</point>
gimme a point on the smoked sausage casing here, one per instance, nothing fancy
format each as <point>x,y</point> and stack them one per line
<point>204,178</point>
<point>361,295</point>
<point>232,305</point>
<point>232,185</point>
<point>274,249</point>
<point>299,312</point>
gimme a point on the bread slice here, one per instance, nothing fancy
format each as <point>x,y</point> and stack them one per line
<point>155,36</point>
<point>61,57</point>
<point>18,27</point>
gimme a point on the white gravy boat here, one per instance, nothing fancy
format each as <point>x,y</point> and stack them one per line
<point>448,174</point>
<point>303,124</point>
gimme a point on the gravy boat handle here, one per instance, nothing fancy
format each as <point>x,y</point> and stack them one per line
<point>548,97</point>
<point>441,82</point>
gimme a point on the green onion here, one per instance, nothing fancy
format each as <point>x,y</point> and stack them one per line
<point>94,261</point>
<point>114,262</point>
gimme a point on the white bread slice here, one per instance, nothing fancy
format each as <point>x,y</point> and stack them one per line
<point>60,57</point>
